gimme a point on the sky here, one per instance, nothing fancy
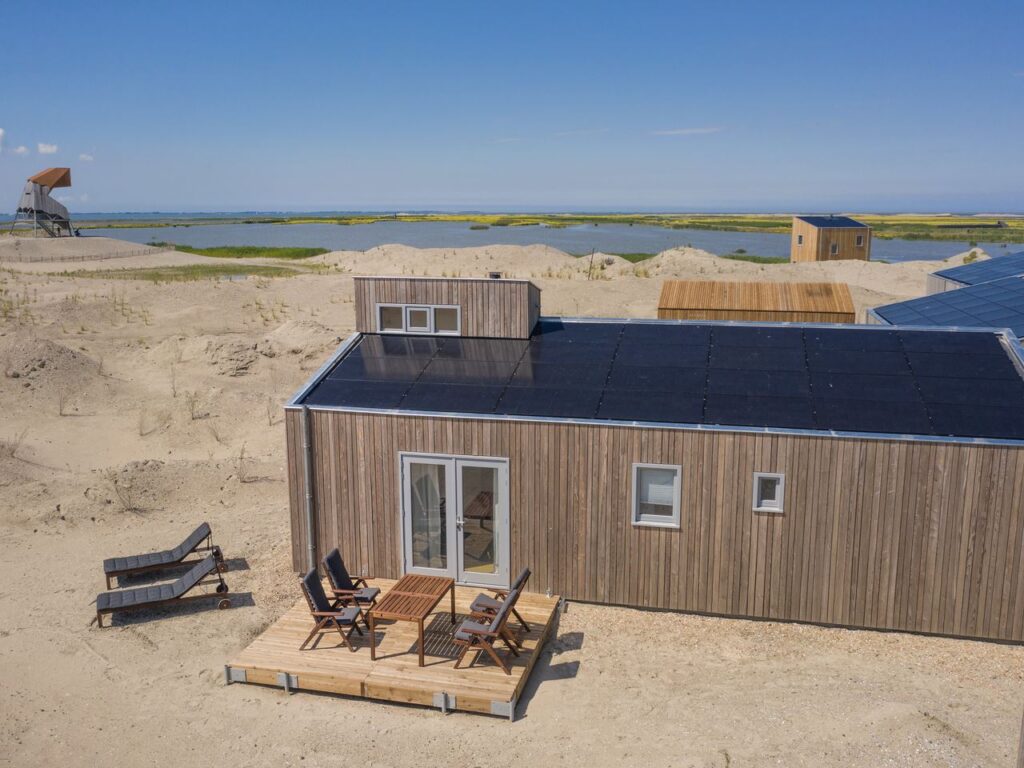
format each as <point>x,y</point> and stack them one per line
<point>231,106</point>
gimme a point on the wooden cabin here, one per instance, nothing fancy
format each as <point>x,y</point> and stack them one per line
<point>829,238</point>
<point>770,302</point>
<point>843,475</point>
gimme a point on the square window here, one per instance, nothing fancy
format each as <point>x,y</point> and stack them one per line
<point>417,319</point>
<point>656,495</point>
<point>390,319</point>
<point>446,320</point>
<point>834,249</point>
<point>769,489</point>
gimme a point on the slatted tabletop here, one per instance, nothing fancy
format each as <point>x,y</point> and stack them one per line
<point>413,598</point>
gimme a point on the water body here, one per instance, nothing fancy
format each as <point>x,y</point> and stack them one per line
<point>580,239</point>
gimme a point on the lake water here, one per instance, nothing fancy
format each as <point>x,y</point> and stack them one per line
<point>609,238</point>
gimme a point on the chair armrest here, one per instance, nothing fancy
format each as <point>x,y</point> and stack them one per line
<point>499,594</point>
<point>480,632</point>
<point>361,580</point>
<point>344,592</point>
<point>326,614</point>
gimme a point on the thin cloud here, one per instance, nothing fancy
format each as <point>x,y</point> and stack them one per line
<point>688,131</point>
<point>20,150</point>
<point>47,149</point>
<point>580,132</point>
<point>86,158</point>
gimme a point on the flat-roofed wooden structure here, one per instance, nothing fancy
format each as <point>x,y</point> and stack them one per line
<point>829,238</point>
<point>274,659</point>
<point>484,307</point>
<point>772,302</point>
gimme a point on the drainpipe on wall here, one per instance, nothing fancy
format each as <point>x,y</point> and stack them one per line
<point>307,458</point>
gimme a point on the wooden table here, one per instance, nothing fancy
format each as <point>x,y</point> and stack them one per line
<point>413,598</point>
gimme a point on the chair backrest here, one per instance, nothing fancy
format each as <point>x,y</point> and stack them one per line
<point>314,592</point>
<point>194,575</point>
<point>521,579</point>
<point>503,611</point>
<point>336,570</point>
<point>194,540</point>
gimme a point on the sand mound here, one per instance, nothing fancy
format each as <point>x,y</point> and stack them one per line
<point>511,260</point>
<point>44,249</point>
<point>300,337</point>
<point>40,363</point>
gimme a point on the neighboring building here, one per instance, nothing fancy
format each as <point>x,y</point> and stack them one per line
<point>846,475</point>
<point>976,273</point>
<point>995,304</point>
<point>40,211</point>
<point>829,238</point>
<point>772,302</point>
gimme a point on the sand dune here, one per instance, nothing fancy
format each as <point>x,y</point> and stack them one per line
<point>131,411</point>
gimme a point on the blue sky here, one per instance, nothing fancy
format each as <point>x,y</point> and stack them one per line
<point>596,106</point>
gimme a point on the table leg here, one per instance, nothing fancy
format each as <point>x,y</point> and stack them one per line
<point>421,642</point>
<point>453,603</point>
<point>373,638</point>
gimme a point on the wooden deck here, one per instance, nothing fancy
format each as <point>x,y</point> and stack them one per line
<point>274,659</point>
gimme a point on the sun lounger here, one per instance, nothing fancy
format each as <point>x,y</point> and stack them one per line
<point>344,587</point>
<point>200,540</point>
<point>472,635</point>
<point>327,615</point>
<point>489,604</point>
<point>204,572</point>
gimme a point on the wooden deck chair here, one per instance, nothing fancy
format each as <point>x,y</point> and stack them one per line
<point>344,587</point>
<point>205,572</point>
<point>489,604</point>
<point>474,636</point>
<point>200,540</point>
<point>327,615</point>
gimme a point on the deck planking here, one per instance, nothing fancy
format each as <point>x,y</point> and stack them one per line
<point>396,675</point>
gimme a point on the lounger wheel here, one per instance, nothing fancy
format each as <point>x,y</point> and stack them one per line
<point>222,588</point>
<point>225,603</point>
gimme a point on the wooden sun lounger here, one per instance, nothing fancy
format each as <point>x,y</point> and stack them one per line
<point>200,540</point>
<point>205,572</point>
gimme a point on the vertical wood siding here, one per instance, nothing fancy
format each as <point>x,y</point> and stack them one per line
<point>490,308</point>
<point>817,242</point>
<point>773,302</point>
<point>913,536</point>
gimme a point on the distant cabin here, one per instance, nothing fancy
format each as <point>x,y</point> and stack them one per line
<point>771,302</point>
<point>829,238</point>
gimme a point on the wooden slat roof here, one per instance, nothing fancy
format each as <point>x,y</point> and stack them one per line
<point>53,178</point>
<point>770,297</point>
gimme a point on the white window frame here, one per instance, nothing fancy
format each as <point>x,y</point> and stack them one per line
<point>758,503</point>
<point>860,241</point>
<point>431,329</point>
<point>660,521</point>
<point>833,249</point>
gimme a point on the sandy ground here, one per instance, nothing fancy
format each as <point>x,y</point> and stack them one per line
<point>121,394</point>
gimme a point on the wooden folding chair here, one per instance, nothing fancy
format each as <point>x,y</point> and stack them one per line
<point>327,616</point>
<point>474,636</point>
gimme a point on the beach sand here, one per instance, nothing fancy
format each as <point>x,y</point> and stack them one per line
<point>153,390</point>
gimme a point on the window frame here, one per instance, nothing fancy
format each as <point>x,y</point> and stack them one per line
<point>833,249</point>
<point>641,521</point>
<point>756,500</point>
<point>859,241</point>
<point>799,240</point>
<point>430,309</point>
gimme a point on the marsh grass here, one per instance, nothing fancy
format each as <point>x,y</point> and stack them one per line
<point>756,259</point>
<point>253,252</point>
<point>187,272</point>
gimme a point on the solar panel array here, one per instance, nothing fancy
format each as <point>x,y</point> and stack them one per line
<point>986,271</point>
<point>844,379</point>
<point>842,222</point>
<point>998,304</point>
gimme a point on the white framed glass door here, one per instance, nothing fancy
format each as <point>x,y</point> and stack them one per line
<point>455,518</point>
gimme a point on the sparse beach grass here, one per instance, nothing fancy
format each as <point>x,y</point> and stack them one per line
<point>186,272</point>
<point>248,251</point>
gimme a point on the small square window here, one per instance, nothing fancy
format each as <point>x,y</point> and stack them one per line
<point>834,249</point>
<point>656,495</point>
<point>391,319</point>
<point>446,320</point>
<point>799,239</point>
<point>769,489</point>
<point>860,241</point>
<point>417,319</point>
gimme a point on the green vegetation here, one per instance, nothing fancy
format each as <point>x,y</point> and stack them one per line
<point>248,251</point>
<point>910,227</point>
<point>744,256</point>
<point>187,272</point>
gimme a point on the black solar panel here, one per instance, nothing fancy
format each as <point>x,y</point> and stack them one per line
<point>848,379</point>
<point>831,221</point>
<point>996,304</point>
<point>986,271</point>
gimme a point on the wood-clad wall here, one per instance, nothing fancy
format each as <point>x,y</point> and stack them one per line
<point>937,284</point>
<point>772,302</point>
<point>490,308</point>
<point>817,242</point>
<point>912,535</point>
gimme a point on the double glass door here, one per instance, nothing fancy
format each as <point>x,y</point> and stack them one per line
<point>455,518</point>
